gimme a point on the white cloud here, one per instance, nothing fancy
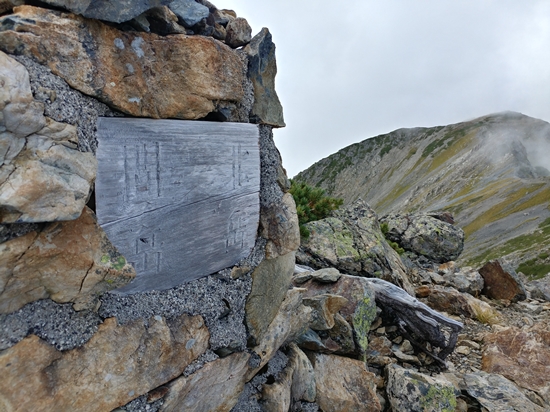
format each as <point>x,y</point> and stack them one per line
<point>349,71</point>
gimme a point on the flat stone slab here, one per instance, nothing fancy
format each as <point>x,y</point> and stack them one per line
<point>179,199</point>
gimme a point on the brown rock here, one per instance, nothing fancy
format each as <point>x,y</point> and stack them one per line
<point>215,387</point>
<point>279,224</point>
<point>501,282</point>
<point>67,262</point>
<point>521,355</point>
<point>119,362</point>
<point>448,300</point>
<point>141,74</point>
<point>291,321</point>
<point>270,282</point>
<point>238,32</point>
<point>343,384</point>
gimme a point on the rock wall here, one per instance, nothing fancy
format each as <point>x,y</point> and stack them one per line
<point>66,343</point>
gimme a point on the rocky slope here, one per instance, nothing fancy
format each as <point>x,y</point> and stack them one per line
<point>492,173</point>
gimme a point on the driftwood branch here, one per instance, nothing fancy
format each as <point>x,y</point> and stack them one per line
<point>416,319</point>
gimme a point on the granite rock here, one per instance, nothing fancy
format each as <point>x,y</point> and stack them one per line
<point>296,382</point>
<point>68,262</point>
<point>262,68</point>
<point>238,32</point>
<point>359,312</point>
<point>126,70</point>
<point>279,224</point>
<point>409,390</point>
<point>42,175</point>
<point>325,306</point>
<point>425,235</point>
<point>119,362</point>
<point>496,393</point>
<point>327,275</point>
<point>466,280</point>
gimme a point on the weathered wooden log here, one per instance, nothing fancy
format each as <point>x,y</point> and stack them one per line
<point>416,320</point>
<point>179,199</point>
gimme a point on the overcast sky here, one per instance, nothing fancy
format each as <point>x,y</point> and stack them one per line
<point>352,70</point>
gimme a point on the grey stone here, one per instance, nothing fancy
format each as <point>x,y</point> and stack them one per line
<point>496,393</point>
<point>189,11</point>
<point>294,383</point>
<point>540,289</point>
<point>270,282</point>
<point>262,68</point>
<point>109,10</point>
<point>408,390</point>
<point>425,235</point>
<point>467,280</point>
<point>238,33</point>
<point>327,275</point>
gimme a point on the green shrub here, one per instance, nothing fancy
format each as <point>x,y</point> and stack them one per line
<point>311,204</point>
<point>385,229</point>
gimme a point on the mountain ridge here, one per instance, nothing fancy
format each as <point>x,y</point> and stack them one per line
<point>491,172</point>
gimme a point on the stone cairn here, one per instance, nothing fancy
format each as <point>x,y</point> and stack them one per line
<point>263,334</point>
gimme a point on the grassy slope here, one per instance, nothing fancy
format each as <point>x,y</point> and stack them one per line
<point>451,168</point>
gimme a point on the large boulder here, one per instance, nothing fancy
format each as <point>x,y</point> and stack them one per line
<point>352,242</point>
<point>141,74</point>
<point>67,262</point>
<point>119,362</point>
<point>501,281</point>
<point>425,235</point>
<point>521,355</point>
<point>43,177</point>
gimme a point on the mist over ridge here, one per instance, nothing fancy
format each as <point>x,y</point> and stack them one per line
<point>491,172</point>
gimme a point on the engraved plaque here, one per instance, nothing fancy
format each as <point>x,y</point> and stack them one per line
<point>179,199</point>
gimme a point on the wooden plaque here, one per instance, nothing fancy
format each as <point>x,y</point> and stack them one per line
<point>179,199</point>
